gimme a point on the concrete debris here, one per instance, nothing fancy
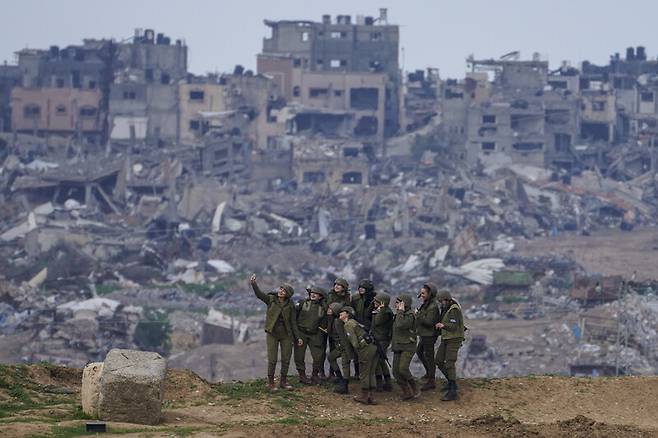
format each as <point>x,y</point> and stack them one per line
<point>132,387</point>
<point>125,238</point>
<point>91,388</point>
<point>221,266</point>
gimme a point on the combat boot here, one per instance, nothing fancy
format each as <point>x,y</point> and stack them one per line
<point>342,387</point>
<point>445,386</point>
<point>387,384</point>
<point>338,377</point>
<point>363,397</point>
<point>303,378</point>
<point>315,376</point>
<point>271,385</point>
<point>283,383</point>
<point>413,386</point>
<point>406,392</point>
<point>429,384</point>
<point>371,401</point>
<point>451,393</point>
<point>380,383</point>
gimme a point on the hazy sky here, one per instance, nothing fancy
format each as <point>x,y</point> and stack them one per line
<point>437,33</point>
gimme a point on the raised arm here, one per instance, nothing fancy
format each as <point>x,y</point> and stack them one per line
<point>259,293</point>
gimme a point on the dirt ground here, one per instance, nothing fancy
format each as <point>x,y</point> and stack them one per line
<point>43,400</point>
<point>608,252</point>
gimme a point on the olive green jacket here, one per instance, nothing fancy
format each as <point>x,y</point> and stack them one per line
<point>333,297</point>
<point>453,322</point>
<point>427,317</point>
<point>382,324</point>
<point>355,334</point>
<point>404,328</point>
<point>311,315</point>
<point>362,313</point>
<point>276,309</point>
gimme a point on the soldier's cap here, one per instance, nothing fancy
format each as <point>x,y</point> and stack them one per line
<point>341,281</point>
<point>348,309</point>
<point>406,299</point>
<point>444,294</point>
<point>431,288</point>
<point>336,307</point>
<point>366,284</point>
<point>289,290</point>
<point>383,298</point>
<point>317,290</point>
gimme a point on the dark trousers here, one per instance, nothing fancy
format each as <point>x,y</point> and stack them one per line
<point>276,342</point>
<point>367,364</point>
<point>425,352</point>
<point>382,367</point>
<point>446,357</point>
<point>401,362</point>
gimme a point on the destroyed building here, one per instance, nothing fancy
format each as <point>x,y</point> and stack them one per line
<point>56,111</point>
<point>524,120</point>
<point>10,77</point>
<point>367,46</point>
<point>329,164</point>
<point>421,98</point>
<point>136,81</point>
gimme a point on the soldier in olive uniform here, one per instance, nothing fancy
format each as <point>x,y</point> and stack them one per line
<point>341,349</point>
<point>404,347</point>
<point>362,302</point>
<point>311,318</point>
<point>427,316</point>
<point>382,330</point>
<point>281,329</point>
<point>340,293</point>
<point>452,335</point>
<point>366,351</point>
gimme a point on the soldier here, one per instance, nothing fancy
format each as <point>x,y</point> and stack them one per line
<point>362,305</point>
<point>366,351</point>
<point>340,293</point>
<point>336,334</point>
<point>311,317</point>
<point>381,329</point>
<point>404,347</point>
<point>452,335</point>
<point>427,316</point>
<point>281,329</point>
<point>362,302</point>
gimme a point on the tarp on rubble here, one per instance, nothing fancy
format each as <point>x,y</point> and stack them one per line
<point>100,306</point>
<point>479,271</point>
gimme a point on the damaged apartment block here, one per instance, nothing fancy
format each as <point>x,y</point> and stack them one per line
<point>340,78</point>
<point>318,162</point>
<point>523,120</point>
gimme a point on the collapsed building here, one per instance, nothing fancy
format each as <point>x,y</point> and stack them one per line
<point>350,70</point>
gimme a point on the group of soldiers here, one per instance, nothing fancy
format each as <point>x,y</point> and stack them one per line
<point>359,328</point>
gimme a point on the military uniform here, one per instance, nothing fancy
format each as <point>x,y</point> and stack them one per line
<point>367,353</point>
<point>339,342</point>
<point>381,329</point>
<point>363,303</point>
<point>404,348</point>
<point>452,337</point>
<point>343,300</point>
<point>311,316</point>
<point>281,329</point>
<point>426,319</point>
